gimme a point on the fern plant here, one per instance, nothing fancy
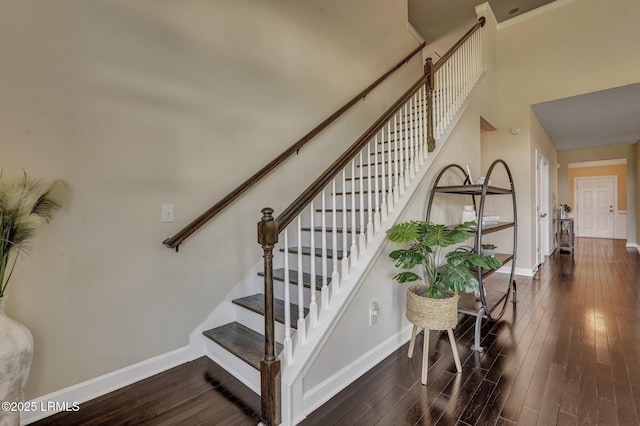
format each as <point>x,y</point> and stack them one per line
<point>23,206</point>
<point>426,241</point>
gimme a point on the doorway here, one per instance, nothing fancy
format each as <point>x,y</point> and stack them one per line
<point>542,208</point>
<point>596,203</point>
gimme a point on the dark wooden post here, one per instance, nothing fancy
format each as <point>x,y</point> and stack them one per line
<point>270,364</point>
<point>428,81</point>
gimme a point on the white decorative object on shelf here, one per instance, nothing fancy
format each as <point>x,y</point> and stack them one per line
<point>490,220</point>
<point>468,214</point>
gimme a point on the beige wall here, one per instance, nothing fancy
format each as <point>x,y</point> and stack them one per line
<point>571,48</point>
<point>139,104</point>
<point>620,171</point>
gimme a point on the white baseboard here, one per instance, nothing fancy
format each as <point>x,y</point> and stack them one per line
<point>519,271</point>
<point>55,402</point>
<point>633,245</point>
<point>324,391</point>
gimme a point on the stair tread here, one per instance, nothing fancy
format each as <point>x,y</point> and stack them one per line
<point>357,192</point>
<point>318,252</point>
<point>255,303</point>
<point>278,275</point>
<point>338,210</point>
<point>329,229</point>
<point>246,344</point>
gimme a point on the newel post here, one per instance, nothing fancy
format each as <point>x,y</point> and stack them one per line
<point>270,364</point>
<point>428,81</point>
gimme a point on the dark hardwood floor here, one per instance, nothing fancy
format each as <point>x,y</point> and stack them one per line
<point>568,353</point>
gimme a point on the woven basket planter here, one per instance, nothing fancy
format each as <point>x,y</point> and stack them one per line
<point>431,314</point>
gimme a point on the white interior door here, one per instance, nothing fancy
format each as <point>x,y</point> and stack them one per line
<point>595,206</point>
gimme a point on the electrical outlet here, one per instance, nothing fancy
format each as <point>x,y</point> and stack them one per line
<point>373,313</point>
<point>167,213</point>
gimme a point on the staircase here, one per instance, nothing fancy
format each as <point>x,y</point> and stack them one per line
<point>319,248</point>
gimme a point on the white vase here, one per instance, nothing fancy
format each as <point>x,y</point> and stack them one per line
<point>16,350</point>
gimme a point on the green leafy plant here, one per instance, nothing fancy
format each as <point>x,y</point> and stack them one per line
<point>23,206</point>
<point>489,246</point>
<point>566,207</point>
<point>426,241</point>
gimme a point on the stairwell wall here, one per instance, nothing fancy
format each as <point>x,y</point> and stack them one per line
<point>139,104</point>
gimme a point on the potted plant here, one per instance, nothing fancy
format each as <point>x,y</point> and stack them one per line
<point>433,304</point>
<point>489,249</point>
<point>23,206</point>
<point>565,209</point>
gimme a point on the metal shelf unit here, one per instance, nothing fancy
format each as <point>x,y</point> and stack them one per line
<point>492,300</point>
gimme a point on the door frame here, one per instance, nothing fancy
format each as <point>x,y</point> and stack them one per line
<point>615,201</point>
<point>541,209</point>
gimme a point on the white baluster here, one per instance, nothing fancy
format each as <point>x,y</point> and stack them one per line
<point>313,304</point>
<point>468,67</point>
<point>437,95</point>
<point>403,136</point>
<point>362,240</point>
<point>412,143</point>
<point>422,136</point>
<point>376,214</point>
<point>345,259</point>
<point>456,83</point>
<point>390,203</point>
<point>335,275</point>
<point>324,293</point>
<point>396,172</point>
<point>369,203</point>
<point>353,255</point>
<point>425,124</point>
<point>407,153</point>
<point>287,343</point>
<point>450,91</point>
<point>381,177</point>
<point>302,332</point>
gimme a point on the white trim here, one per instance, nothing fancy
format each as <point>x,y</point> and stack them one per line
<point>518,271</point>
<point>598,163</point>
<point>633,245</point>
<point>533,13</point>
<point>412,30</point>
<point>101,385</point>
<point>323,392</point>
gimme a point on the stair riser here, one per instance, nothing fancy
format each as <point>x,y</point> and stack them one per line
<point>234,365</point>
<point>256,322</point>
<point>279,286</point>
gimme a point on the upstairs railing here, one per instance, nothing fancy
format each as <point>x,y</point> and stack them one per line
<point>341,211</point>
<point>175,241</point>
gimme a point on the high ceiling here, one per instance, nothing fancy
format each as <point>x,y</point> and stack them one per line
<point>436,18</point>
<point>609,117</point>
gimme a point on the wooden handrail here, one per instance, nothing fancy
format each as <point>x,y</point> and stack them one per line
<point>175,241</point>
<point>321,182</point>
